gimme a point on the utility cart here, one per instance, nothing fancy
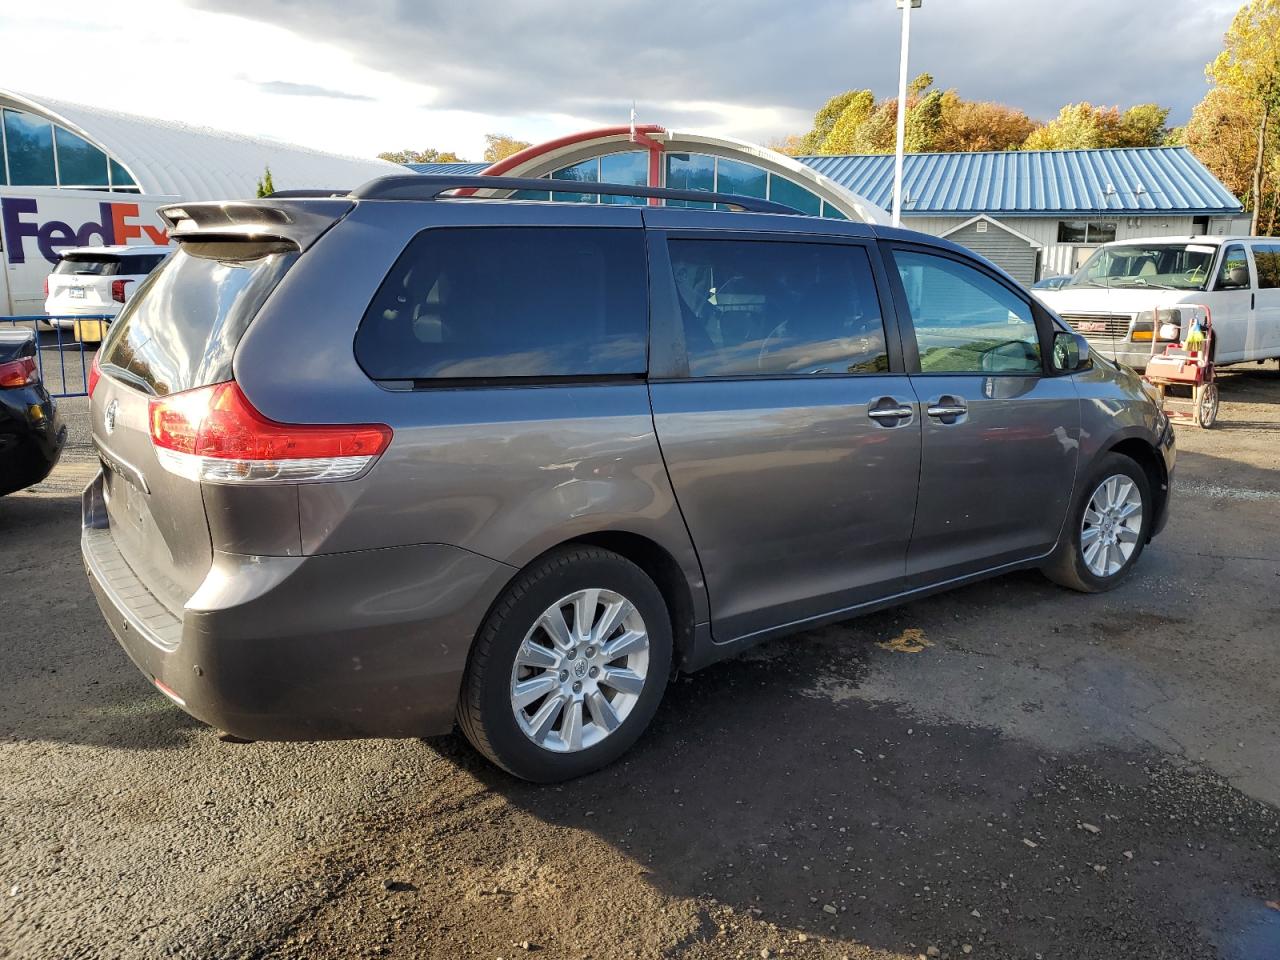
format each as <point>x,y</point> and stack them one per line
<point>1185,366</point>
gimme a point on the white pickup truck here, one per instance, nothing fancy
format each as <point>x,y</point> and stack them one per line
<point>1125,299</point>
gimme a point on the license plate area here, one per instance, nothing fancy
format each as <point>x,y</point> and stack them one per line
<point>75,293</point>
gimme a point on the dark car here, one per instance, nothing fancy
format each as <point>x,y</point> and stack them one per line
<point>31,430</point>
<point>380,462</point>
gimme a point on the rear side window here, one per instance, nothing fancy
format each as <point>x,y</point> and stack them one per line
<point>500,302</point>
<point>89,265</point>
<point>1266,257</point>
<point>181,329</point>
<point>769,308</point>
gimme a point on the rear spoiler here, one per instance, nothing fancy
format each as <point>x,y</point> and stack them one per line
<point>297,221</point>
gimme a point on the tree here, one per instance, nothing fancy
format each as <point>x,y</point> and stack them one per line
<point>842,133</point>
<point>265,187</point>
<point>1222,133</point>
<point>1078,126</point>
<point>971,125</point>
<point>1249,64</point>
<point>924,124</point>
<point>1144,125</point>
<point>430,155</point>
<point>499,146</point>
<point>793,145</point>
<point>825,119</point>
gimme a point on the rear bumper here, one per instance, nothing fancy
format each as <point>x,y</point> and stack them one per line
<point>366,644</point>
<point>32,436</point>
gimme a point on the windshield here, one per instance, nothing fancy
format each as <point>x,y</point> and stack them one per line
<point>1166,266</point>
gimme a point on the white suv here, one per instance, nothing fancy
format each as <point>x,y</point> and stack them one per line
<point>96,281</point>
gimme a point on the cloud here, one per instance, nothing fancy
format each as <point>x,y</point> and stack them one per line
<point>756,67</point>
<point>288,89</point>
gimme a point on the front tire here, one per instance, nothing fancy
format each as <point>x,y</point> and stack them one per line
<point>1107,530</point>
<point>569,667</point>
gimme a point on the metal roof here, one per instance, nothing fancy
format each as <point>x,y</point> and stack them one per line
<point>1134,180</point>
<point>199,163</point>
<point>457,169</point>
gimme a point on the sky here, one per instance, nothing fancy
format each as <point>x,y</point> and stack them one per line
<point>363,76</point>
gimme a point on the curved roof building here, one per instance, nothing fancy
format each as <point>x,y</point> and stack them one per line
<point>51,143</point>
<point>650,155</point>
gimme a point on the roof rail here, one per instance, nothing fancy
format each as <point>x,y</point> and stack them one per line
<point>307,194</point>
<point>419,186</point>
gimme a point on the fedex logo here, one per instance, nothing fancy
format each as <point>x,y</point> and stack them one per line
<point>116,223</point>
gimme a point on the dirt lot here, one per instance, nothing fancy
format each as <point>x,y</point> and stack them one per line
<point>1009,770</point>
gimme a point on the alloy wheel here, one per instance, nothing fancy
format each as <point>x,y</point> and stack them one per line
<point>580,670</point>
<point>1112,525</point>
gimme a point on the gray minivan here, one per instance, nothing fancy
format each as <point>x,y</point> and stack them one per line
<point>379,463</point>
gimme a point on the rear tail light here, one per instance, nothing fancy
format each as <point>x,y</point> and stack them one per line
<point>117,290</point>
<point>19,373</point>
<point>213,434</point>
<point>46,288</point>
<point>95,371</point>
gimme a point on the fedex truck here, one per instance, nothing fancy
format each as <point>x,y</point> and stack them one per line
<point>37,222</point>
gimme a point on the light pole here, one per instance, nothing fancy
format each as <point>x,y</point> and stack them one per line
<point>905,7</point>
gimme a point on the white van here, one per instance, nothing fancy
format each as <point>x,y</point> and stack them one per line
<point>1130,291</point>
<point>97,280</point>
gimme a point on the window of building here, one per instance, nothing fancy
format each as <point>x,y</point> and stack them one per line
<point>690,171</point>
<point>29,150</point>
<point>1266,258</point>
<point>1086,231</point>
<point>80,163</point>
<point>1233,274</point>
<point>587,170</point>
<point>684,171</point>
<point>794,195</point>
<point>494,302</point>
<point>38,153</point>
<point>763,308</point>
<point>966,322</point>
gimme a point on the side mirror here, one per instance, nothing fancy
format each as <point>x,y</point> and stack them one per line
<point>1070,352</point>
<point>1237,278</point>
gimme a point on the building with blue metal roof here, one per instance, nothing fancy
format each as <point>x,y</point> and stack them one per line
<point>1035,212</point>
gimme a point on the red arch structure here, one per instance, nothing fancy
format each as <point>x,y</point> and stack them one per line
<point>542,159</point>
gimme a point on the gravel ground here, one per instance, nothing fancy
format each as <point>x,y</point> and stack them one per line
<point>1008,770</point>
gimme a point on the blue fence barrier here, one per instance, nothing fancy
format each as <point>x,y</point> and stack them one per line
<point>69,375</point>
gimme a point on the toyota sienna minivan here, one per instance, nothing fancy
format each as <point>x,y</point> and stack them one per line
<point>380,463</point>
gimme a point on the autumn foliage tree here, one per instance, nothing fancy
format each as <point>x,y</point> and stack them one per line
<point>430,155</point>
<point>499,146</point>
<point>1246,93</point>
<point>1082,126</point>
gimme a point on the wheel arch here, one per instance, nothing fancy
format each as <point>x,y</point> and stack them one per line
<point>1139,450</point>
<point>663,569</point>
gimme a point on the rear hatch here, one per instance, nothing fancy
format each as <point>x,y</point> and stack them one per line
<point>179,332</point>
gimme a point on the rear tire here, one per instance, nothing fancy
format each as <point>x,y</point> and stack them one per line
<point>569,667</point>
<point>1104,535</point>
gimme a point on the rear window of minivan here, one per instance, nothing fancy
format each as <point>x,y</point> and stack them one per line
<point>488,303</point>
<point>181,329</point>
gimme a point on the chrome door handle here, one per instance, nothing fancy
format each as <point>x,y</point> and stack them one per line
<point>889,413</point>
<point>948,410</point>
